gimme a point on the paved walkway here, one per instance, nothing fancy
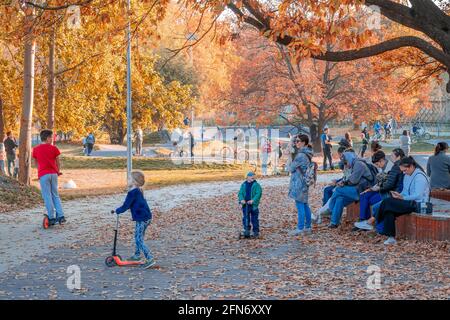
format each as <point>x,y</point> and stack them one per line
<point>194,240</point>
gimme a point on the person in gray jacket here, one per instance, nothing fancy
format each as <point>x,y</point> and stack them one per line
<point>405,142</point>
<point>298,188</point>
<point>438,167</point>
<point>348,190</point>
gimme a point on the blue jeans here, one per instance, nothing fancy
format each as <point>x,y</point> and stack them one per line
<point>252,217</point>
<point>304,215</point>
<point>327,193</point>
<point>49,191</point>
<point>342,197</point>
<point>366,200</point>
<point>2,167</point>
<point>139,234</point>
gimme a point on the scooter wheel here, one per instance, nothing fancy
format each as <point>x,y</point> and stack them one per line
<point>45,222</point>
<point>110,262</point>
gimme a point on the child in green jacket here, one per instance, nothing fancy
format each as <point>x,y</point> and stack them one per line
<point>249,196</point>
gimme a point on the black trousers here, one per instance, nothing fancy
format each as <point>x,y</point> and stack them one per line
<point>392,208</point>
<point>327,155</point>
<point>363,150</point>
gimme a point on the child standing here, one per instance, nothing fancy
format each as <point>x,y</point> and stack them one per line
<point>2,158</point>
<point>249,197</point>
<point>46,155</point>
<point>141,213</point>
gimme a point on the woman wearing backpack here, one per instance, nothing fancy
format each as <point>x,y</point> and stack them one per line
<point>299,186</point>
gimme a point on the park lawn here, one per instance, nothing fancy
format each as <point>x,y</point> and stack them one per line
<point>141,163</point>
<point>96,182</point>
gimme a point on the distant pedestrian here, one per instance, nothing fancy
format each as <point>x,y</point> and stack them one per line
<point>405,142</point>
<point>326,149</point>
<point>16,167</point>
<point>365,141</point>
<point>10,148</point>
<point>90,141</point>
<point>139,138</point>
<point>266,150</point>
<point>2,158</point>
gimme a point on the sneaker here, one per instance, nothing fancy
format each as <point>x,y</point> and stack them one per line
<point>296,232</point>
<point>390,240</point>
<point>61,220</point>
<point>245,234</point>
<point>52,221</point>
<point>308,231</point>
<point>134,258</point>
<point>255,235</point>
<point>332,226</point>
<point>149,263</point>
<point>363,225</point>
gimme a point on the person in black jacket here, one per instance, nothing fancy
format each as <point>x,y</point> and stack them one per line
<point>392,181</point>
<point>10,148</point>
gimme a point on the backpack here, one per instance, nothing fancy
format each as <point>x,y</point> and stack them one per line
<point>373,171</point>
<point>310,175</point>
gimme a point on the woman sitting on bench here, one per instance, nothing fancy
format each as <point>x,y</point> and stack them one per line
<point>416,189</point>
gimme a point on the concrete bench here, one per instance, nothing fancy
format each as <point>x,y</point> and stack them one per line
<point>416,226</point>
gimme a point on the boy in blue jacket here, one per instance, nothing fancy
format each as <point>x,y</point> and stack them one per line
<point>140,212</point>
<point>249,196</point>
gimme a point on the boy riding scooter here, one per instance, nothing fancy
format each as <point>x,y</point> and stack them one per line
<point>249,197</point>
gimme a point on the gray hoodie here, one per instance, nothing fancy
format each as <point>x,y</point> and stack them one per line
<point>360,175</point>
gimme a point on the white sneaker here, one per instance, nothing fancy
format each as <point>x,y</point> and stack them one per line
<point>296,232</point>
<point>323,210</point>
<point>307,231</point>
<point>390,240</point>
<point>363,225</point>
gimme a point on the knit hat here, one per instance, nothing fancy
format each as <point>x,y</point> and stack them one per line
<point>250,174</point>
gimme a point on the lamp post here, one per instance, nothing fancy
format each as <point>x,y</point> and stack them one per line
<point>129,115</point>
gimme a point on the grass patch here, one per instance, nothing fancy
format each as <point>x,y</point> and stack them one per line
<point>73,162</point>
<point>96,182</point>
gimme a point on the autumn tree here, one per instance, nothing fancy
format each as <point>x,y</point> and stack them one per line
<point>266,83</point>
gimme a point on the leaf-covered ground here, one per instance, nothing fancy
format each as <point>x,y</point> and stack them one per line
<point>14,196</point>
<point>199,257</point>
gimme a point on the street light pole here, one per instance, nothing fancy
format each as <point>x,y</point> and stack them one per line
<point>129,115</point>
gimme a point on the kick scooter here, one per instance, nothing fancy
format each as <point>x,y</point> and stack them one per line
<point>115,259</point>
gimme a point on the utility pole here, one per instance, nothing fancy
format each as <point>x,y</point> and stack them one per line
<point>129,114</point>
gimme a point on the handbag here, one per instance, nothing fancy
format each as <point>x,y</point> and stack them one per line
<point>424,207</point>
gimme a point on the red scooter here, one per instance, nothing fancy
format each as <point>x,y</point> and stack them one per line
<point>115,259</point>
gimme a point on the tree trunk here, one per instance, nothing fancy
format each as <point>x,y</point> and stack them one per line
<point>51,81</point>
<point>116,132</point>
<point>28,95</point>
<point>2,121</point>
<point>315,137</point>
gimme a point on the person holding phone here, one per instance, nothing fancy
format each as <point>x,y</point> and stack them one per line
<point>416,189</point>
